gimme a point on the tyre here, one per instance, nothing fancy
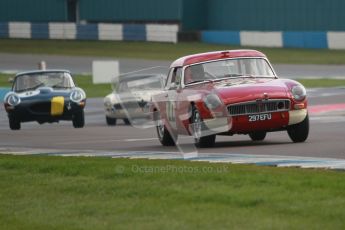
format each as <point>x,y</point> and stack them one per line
<point>199,140</point>
<point>299,132</point>
<point>163,134</point>
<point>257,136</point>
<point>78,120</point>
<point>110,121</point>
<point>14,123</point>
<point>126,121</point>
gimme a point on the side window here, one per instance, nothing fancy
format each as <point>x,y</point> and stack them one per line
<point>175,75</point>
<point>178,77</point>
<point>170,78</point>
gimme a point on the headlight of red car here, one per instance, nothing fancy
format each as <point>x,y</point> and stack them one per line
<point>298,92</point>
<point>212,101</point>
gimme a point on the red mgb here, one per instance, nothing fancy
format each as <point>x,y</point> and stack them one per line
<point>226,93</point>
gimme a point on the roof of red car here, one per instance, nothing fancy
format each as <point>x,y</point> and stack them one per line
<point>209,56</point>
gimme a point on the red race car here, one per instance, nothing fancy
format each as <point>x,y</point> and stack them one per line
<point>226,93</point>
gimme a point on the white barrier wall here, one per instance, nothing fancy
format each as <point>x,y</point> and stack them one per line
<point>264,39</point>
<point>161,33</point>
<point>169,33</point>
<point>70,30</point>
<point>110,32</point>
<point>62,30</point>
<point>336,40</point>
<point>104,71</point>
<point>56,31</point>
<point>19,30</point>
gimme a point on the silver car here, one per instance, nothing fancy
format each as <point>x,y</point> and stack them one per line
<point>131,97</point>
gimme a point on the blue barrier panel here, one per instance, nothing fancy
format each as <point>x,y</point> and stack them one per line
<point>39,30</point>
<point>221,37</point>
<point>4,30</point>
<point>293,39</point>
<point>134,32</point>
<point>3,92</point>
<point>87,32</point>
<point>316,40</point>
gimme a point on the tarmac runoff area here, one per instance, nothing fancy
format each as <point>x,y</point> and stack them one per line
<point>232,158</point>
<point>316,113</point>
<point>325,148</point>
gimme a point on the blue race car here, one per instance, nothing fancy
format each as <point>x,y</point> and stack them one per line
<point>45,96</point>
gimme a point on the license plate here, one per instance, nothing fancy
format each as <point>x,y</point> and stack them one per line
<point>260,117</point>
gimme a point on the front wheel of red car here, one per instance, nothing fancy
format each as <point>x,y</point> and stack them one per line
<point>14,123</point>
<point>78,120</point>
<point>197,127</point>
<point>163,134</point>
<point>257,136</point>
<point>299,132</point>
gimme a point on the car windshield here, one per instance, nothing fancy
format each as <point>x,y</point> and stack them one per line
<point>137,84</point>
<point>32,81</point>
<point>230,68</point>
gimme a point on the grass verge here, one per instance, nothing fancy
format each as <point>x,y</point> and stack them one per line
<point>162,51</point>
<point>101,90</point>
<point>103,193</point>
<point>322,83</point>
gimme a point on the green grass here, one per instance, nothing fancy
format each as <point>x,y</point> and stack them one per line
<point>4,80</point>
<point>103,193</point>
<point>92,90</point>
<point>101,90</point>
<point>161,51</point>
<point>322,83</point>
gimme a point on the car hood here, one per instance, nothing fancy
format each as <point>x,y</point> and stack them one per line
<point>240,90</point>
<point>44,92</point>
<point>144,95</point>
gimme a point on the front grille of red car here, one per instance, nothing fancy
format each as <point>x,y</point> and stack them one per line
<point>260,106</point>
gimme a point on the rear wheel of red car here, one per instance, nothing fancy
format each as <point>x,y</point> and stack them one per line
<point>14,123</point>
<point>78,120</point>
<point>163,134</point>
<point>197,127</point>
<point>299,132</point>
<point>110,121</point>
<point>257,136</point>
<point>126,121</point>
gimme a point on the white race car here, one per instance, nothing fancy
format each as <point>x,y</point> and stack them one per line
<point>131,96</point>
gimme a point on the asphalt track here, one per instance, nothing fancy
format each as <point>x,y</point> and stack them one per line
<point>326,139</point>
